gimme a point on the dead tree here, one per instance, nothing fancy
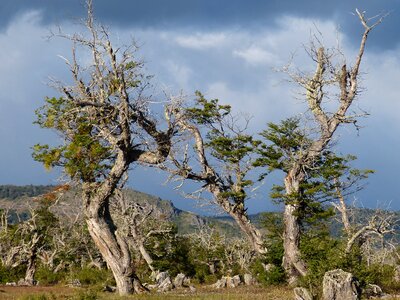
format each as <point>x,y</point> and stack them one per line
<point>105,121</point>
<point>333,82</point>
<point>138,223</point>
<point>326,75</point>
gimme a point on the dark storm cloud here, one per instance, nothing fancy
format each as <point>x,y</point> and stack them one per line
<point>211,14</point>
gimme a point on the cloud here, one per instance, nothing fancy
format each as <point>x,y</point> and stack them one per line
<point>256,56</point>
<point>201,41</point>
<point>235,66</point>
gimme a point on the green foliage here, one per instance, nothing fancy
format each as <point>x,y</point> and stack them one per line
<point>273,224</point>
<point>274,276</point>
<point>207,112</point>
<point>84,154</point>
<point>285,145</point>
<point>323,253</point>
<point>46,276</point>
<point>11,274</point>
<point>227,145</point>
<point>172,255</point>
<point>91,276</point>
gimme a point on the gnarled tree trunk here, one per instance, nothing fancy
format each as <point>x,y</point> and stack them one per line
<point>292,262</point>
<point>116,253</point>
<point>31,268</point>
<point>252,233</point>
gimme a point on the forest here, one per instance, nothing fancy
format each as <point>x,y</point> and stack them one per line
<point>93,237</point>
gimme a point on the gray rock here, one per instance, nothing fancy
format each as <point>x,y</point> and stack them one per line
<point>268,267</point>
<point>233,282</point>
<point>110,289</point>
<point>397,274</point>
<point>340,285</point>
<point>220,283</point>
<point>301,294</point>
<point>192,289</point>
<point>165,286</point>
<point>249,279</point>
<point>74,283</point>
<point>179,280</point>
<point>373,290</point>
<point>160,277</point>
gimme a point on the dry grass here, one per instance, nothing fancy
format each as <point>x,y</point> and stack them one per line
<point>66,293</point>
<point>56,293</point>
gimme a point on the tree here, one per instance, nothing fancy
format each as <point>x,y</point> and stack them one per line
<point>105,122</point>
<point>222,162</point>
<point>22,243</point>
<point>304,151</point>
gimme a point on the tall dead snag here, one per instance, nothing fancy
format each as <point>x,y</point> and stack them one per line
<point>139,223</point>
<point>223,158</point>
<point>104,120</point>
<point>306,157</point>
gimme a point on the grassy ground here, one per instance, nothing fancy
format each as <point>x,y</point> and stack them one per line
<point>66,293</point>
<point>56,293</point>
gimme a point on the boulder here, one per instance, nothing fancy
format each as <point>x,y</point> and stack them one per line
<point>165,286</point>
<point>161,276</point>
<point>179,280</point>
<point>397,274</point>
<point>249,279</point>
<point>220,283</point>
<point>192,289</point>
<point>233,282</point>
<point>373,290</point>
<point>340,285</point>
<point>302,294</point>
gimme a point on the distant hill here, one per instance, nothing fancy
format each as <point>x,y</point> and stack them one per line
<point>14,191</point>
<point>19,199</point>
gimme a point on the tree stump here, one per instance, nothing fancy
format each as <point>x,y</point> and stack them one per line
<point>340,285</point>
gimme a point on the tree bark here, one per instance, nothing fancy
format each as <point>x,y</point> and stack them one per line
<point>31,269</point>
<point>252,233</point>
<point>116,253</point>
<point>292,262</point>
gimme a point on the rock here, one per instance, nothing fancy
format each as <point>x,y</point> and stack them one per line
<point>11,283</point>
<point>397,274</point>
<point>233,282</point>
<point>340,285</point>
<point>74,283</point>
<point>110,289</point>
<point>301,294</point>
<point>220,283</point>
<point>151,286</point>
<point>249,279</point>
<point>23,282</point>
<point>179,280</point>
<point>373,290</point>
<point>268,267</point>
<point>160,277</point>
<point>186,282</point>
<point>192,289</point>
<point>165,286</point>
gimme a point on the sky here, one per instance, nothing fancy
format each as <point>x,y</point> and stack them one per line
<point>227,49</point>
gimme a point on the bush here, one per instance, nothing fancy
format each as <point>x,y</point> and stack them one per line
<point>275,276</point>
<point>45,276</point>
<point>91,276</point>
<point>11,274</point>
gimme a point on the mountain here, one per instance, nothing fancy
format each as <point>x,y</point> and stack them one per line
<point>19,200</point>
